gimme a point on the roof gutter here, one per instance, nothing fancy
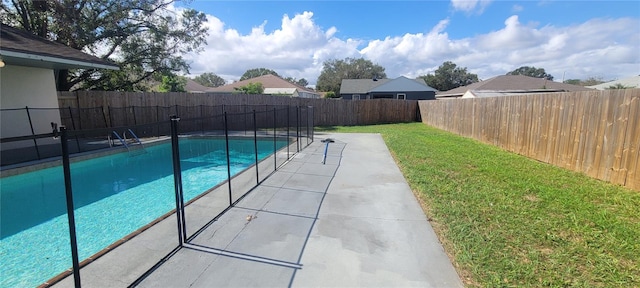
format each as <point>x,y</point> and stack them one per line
<point>58,60</point>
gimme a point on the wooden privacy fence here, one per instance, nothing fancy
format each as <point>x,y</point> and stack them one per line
<point>594,132</point>
<point>327,112</point>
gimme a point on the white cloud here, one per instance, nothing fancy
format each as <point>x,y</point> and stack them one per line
<point>297,49</point>
<point>517,8</point>
<point>604,48</point>
<point>470,5</point>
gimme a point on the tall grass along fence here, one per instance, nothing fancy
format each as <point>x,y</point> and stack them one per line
<point>593,132</point>
<point>327,112</point>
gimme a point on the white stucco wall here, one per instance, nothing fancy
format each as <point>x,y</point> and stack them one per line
<point>26,86</point>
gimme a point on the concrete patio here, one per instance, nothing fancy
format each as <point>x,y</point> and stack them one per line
<point>352,221</point>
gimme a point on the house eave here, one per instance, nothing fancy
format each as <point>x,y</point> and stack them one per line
<point>44,61</point>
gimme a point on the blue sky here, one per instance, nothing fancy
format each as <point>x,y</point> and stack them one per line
<point>579,39</point>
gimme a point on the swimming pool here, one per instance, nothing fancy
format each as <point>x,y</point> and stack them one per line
<point>113,196</point>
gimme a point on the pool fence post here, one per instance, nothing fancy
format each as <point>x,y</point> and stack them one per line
<point>307,122</point>
<point>73,124</point>
<point>177,179</point>
<point>104,117</point>
<point>110,116</point>
<point>135,119</point>
<point>70,210</point>
<point>35,143</point>
<point>158,120</point>
<point>313,121</point>
<point>226,137</point>
<point>202,118</point>
<point>288,125</point>
<point>298,128</point>
<point>275,159</point>
<point>255,144</point>
<point>244,110</point>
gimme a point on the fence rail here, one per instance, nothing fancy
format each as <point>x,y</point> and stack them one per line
<point>328,112</point>
<point>593,132</point>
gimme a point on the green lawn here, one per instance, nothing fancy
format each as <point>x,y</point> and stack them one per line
<point>507,220</point>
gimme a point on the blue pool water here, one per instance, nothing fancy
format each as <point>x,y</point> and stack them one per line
<point>113,196</point>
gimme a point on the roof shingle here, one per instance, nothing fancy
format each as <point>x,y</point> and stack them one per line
<point>514,82</point>
<point>19,47</point>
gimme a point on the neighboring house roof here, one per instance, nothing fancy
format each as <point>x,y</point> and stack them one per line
<point>21,48</point>
<point>403,84</point>
<point>195,87</point>
<point>631,82</point>
<point>494,93</point>
<point>364,86</point>
<point>360,86</point>
<point>513,83</point>
<point>268,81</point>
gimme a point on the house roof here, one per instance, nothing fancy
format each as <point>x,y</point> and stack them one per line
<point>364,86</point>
<point>494,93</point>
<point>403,84</point>
<point>195,87</point>
<point>268,81</point>
<point>513,83</point>
<point>19,47</point>
<point>631,82</point>
<point>360,86</point>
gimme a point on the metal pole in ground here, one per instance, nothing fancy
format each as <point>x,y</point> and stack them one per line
<point>326,149</point>
<point>177,179</point>
<point>66,166</point>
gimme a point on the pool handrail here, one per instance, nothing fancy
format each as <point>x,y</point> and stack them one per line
<point>124,134</point>
<point>119,138</point>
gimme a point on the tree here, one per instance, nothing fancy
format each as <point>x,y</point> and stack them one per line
<point>302,82</point>
<point>257,72</point>
<point>333,71</point>
<point>531,72</point>
<point>448,76</point>
<point>573,81</point>
<point>330,94</point>
<point>143,37</point>
<point>591,81</point>
<point>173,83</point>
<point>251,88</point>
<point>209,80</point>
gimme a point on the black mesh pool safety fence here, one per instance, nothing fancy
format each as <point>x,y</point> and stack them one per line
<point>245,143</point>
<point>98,124</point>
